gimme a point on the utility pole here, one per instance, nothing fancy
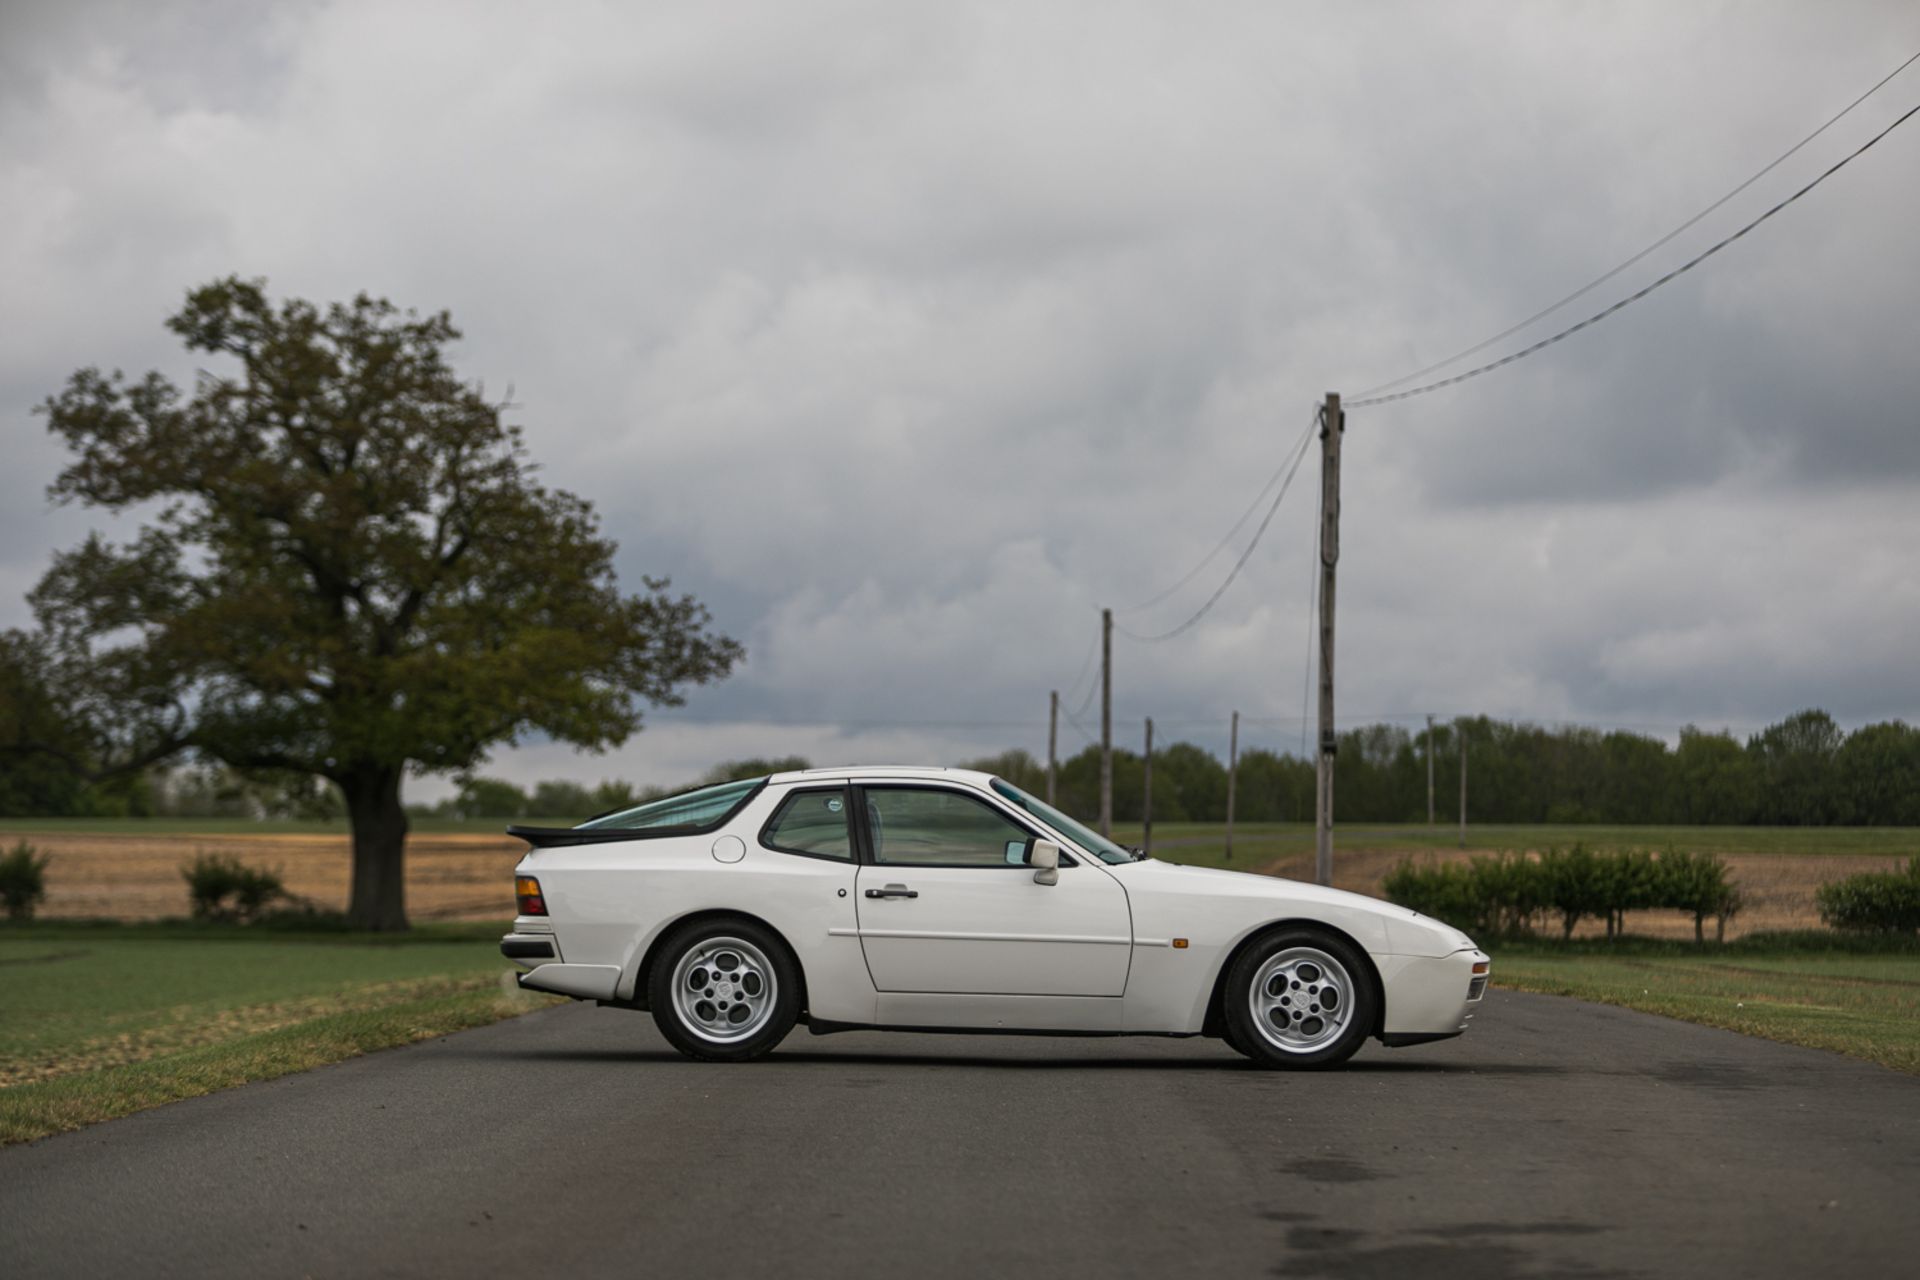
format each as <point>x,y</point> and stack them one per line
<point>1053,741</point>
<point>1460,727</point>
<point>1233,768</point>
<point>1146,796</point>
<point>1332,426</point>
<point>1431,824</point>
<point>1106,722</point>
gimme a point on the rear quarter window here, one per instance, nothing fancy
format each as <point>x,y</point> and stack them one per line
<point>812,823</point>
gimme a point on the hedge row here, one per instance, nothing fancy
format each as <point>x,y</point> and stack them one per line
<point>228,889</point>
<point>1509,894</point>
<point>1874,902</point>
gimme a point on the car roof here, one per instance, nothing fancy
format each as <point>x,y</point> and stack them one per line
<point>875,772</point>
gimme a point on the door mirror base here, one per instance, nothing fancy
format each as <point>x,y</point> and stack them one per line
<point>1045,859</point>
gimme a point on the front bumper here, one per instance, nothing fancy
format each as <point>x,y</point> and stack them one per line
<point>1432,998</point>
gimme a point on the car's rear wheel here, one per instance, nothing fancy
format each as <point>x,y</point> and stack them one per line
<point>1299,998</point>
<point>724,990</point>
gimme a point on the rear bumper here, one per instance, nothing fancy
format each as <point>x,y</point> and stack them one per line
<point>530,947</point>
<point>518,948</point>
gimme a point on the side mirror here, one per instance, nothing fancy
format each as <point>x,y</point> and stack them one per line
<point>1045,859</point>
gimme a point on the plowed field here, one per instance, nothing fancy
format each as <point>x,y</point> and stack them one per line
<point>137,877</point>
<point>469,876</point>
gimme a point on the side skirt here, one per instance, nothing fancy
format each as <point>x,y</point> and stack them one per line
<point>821,1027</point>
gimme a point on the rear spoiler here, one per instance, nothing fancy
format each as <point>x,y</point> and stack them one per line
<point>558,837</point>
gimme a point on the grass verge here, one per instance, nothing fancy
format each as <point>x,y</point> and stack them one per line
<point>100,1021</point>
<point>1860,1000</point>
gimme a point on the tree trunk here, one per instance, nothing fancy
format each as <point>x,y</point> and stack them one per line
<point>1699,929</point>
<point>379,899</point>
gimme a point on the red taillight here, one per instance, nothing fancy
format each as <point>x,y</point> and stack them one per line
<point>527,890</point>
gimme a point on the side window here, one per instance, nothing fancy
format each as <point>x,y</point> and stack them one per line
<point>913,827</point>
<point>813,823</point>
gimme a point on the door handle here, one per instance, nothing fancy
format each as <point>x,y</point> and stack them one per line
<point>893,891</point>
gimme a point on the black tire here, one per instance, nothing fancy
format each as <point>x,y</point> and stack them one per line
<point>1285,963</point>
<point>702,1025</point>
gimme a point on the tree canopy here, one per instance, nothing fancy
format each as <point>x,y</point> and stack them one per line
<point>346,568</point>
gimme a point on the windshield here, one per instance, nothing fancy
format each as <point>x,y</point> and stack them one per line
<point>703,808</point>
<point>1092,841</point>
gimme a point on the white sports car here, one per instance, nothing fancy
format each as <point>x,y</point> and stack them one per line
<point>914,899</point>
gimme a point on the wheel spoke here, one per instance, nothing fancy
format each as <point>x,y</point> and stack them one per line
<point>724,990</point>
<point>1300,1000</point>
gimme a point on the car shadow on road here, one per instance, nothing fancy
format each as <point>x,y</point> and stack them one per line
<point>804,1057</point>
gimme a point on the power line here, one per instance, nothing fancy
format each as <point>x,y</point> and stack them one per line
<point>1086,665</point>
<point>1299,455</point>
<point>1595,283</point>
<point>1224,542</point>
<point>1681,270</point>
<point>831,722</point>
<point>1080,728</point>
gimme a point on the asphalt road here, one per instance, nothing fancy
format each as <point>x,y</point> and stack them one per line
<point>1556,1138</point>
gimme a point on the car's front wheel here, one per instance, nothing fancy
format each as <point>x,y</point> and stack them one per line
<point>724,990</point>
<point>1299,998</point>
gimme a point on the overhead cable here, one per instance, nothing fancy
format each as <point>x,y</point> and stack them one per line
<point>1681,270</point>
<point>1300,452</point>
<point>1222,545</point>
<point>1086,665</point>
<point>1597,281</point>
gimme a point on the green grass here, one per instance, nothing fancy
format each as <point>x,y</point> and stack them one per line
<point>99,1021</point>
<point>1824,992</point>
<point>1259,843</point>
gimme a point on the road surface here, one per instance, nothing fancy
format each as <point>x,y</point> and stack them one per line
<point>1556,1138</point>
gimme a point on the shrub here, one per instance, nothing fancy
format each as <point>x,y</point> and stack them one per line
<point>1510,890</point>
<point>227,889</point>
<point>1502,896</point>
<point>1496,896</point>
<point>1438,889</point>
<point>1873,902</point>
<point>23,880</point>
<point>1696,883</point>
<point>1575,884</point>
<point>1631,883</point>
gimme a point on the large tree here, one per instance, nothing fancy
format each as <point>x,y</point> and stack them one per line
<point>346,569</point>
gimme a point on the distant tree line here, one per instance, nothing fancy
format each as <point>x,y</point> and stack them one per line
<point>1803,771</point>
<point>559,800</point>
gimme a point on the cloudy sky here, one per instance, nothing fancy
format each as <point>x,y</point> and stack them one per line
<point>907,336</point>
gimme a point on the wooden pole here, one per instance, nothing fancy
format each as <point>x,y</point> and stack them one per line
<point>1332,427</point>
<point>1106,722</point>
<point>1146,796</point>
<point>1460,727</point>
<point>1233,769</point>
<point>1053,740</point>
<point>1431,824</point>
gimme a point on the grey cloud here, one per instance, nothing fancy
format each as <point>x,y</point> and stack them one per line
<point>907,338</point>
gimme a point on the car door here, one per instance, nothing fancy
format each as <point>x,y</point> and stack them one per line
<point>944,906</point>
